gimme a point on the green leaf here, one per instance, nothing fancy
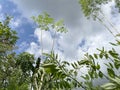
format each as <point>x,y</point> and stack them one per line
<point>73,65</point>
<point>113,44</point>
<point>75,73</point>
<point>101,55</point>
<point>106,56</point>
<point>110,64</point>
<point>49,65</point>
<point>95,55</point>
<point>115,80</point>
<point>118,35</point>
<point>113,54</point>
<point>109,86</point>
<point>100,74</point>
<point>111,73</point>
<point>66,63</point>
<point>59,23</point>
<point>91,57</point>
<point>86,77</point>
<point>117,64</point>
<point>82,62</point>
<point>98,66</point>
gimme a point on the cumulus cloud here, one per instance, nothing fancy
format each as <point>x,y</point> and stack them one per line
<point>45,44</point>
<point>80,29</point>
<point>34,49</point>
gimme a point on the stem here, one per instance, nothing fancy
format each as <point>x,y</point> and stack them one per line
<point>34,82</point>
<point>41,45</point>
<point>109,22</point>
<point>53,41</point>
<point>63,69</point>
<point>40,86</point>
<point>105,26</point>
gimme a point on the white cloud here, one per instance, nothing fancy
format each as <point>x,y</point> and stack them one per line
<point>14,23</point>
<point>47,42</point>
<point>34,49</point>
<point>46,38</point>
<point>23,46</point>
<point>79,27</point>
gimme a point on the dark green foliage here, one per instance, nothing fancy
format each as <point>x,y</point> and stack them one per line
<point>92,8</point>
<point>8,38</point>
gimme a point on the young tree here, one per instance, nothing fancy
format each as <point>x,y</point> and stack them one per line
<point>92,8</point>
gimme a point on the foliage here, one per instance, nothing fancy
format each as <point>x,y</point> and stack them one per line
<point>45,22</point>
<point>91,8</point>
<point>9,72</point>
<point>24,72</point>
<point>8,37</point>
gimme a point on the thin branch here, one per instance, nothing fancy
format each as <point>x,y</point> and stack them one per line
<point>106,26</point>
<point>53,41</point>
<point>41,45</point>
<point>109,22</point>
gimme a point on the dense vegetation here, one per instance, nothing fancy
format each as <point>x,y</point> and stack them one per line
<point>23,72</point>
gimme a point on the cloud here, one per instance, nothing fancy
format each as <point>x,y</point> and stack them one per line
<point>34,49</point>
<point>14,23</point>
<point>46,39</point>
<point>46,44</point>
<point>23,46</point>
<point>79,28</point>
<point>66,9</point>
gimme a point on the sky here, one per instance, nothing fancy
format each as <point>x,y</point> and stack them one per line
<point>84,35</point>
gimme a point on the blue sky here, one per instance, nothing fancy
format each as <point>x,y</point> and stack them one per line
<point>83,35</point>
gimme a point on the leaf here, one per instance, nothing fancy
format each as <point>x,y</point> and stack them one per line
<point>59,23</point>
<point>111,73</point>
<point>118,42</point>
<point>113,44</point>
<point>86,77</point>
<point>75,73</point>
<point>118,35</point>
<point>91,74</point>
<point>95,55</point>
<point>101,55</point>
<point>98,66</point>
<point>111,65</point>
<point>66,63</point>
<point>91,57</point>
<point>106,56</point>
<point>73,65</point>
<point>100,74</point>
<point>109,86</point>
<point>113,54</point>
<point>82,62</point>
<point>49,65</point>
<point>115,80</point>
<point>117,64</point>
